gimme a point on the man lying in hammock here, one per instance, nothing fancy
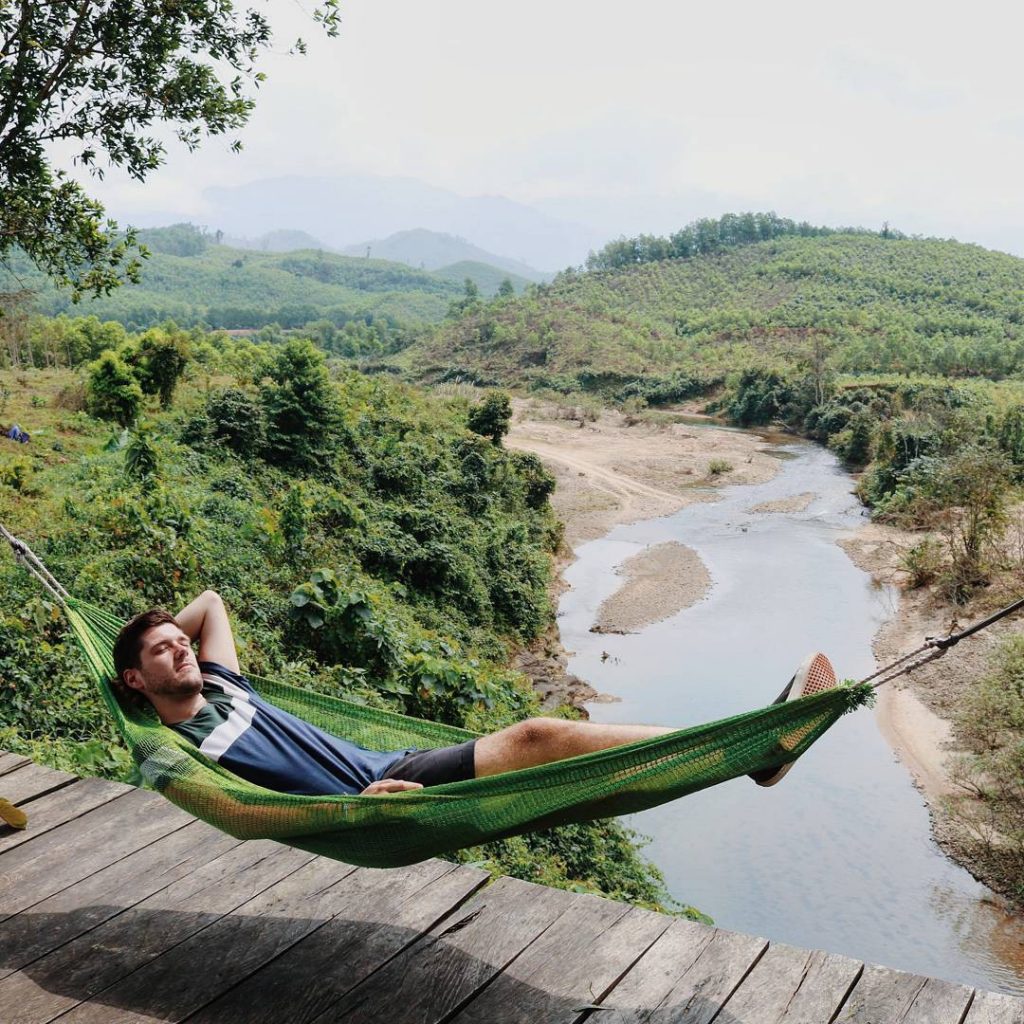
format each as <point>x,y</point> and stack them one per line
<point>208,701</point>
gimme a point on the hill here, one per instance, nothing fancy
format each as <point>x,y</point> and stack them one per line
<point>487,278</point>
<point>346,209</point>
<point>192,280</point>
<point>433,250</point>
<point>865,303</point>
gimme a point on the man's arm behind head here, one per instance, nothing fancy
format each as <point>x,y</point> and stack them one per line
<point>206,619</point>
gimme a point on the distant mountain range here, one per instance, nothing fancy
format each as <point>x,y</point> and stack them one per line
<point>434,250</point>
<point>342,212</point>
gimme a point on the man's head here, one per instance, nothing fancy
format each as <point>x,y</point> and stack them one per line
<point>153,656</point>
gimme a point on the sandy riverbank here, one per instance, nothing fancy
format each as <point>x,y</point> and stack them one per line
<point>917,713</point>
<point>608,472</point>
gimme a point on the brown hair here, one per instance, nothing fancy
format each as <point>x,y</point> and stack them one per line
<point>128,645</point>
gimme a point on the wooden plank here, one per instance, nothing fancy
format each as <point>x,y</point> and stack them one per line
<point>85,904</point>
<point>995,1008</point>
<point>881,994</point>
<point>63,805</point>
<point>8,762</point>
<point>31,781</point>
<point>99,959</point>
<point>650,980</point>
<point>65,855</point>
<point>383,912</point>
<point>793,986</point>
<point>224,953</point>
<point>686,976</point>
<point>430,979</point>
<point>939,1002</point>
<point>572,964</point>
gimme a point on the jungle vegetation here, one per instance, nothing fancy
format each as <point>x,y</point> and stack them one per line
<point>371,540</point>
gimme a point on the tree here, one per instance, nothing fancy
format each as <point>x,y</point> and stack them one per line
<point>301,409</point>
<point>112,392</point>
<point>103,74</point>
<point>506,290</point>
<point>237,420</point>
<point>492,417</point>
<point>160,360</point>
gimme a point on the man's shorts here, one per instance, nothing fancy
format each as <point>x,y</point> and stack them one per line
<point>436,766</point>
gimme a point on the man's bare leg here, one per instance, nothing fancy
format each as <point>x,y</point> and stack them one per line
<point>541,740</point>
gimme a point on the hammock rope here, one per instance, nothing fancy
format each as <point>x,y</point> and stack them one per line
<point>389,831</point>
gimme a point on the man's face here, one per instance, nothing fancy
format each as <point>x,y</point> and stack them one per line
<point>167,664</point>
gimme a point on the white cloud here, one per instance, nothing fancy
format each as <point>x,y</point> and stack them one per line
<point>909,112</point>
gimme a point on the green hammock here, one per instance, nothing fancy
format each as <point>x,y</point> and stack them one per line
<point>389,831</point>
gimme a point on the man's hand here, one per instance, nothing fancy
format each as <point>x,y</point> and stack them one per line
<point>389,786</point>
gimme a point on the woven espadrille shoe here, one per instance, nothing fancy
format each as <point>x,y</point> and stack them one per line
<point>814,675</point>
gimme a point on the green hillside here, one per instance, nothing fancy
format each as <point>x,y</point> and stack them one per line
<point>190,279</point>
<point>873,303</point>
<point>487,278</point>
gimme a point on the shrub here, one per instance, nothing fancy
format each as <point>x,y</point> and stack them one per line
<point>492,417</point>
<point>236,420</point>
<point>71,397</point>
<point>759,397</point>
<point>922,563</point>
<point>112,392</point>
<point>17,475</point>
<point>716,467</point>
<point>991,723</point>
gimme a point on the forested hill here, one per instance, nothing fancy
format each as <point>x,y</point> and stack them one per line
<point>190,279</point>
<point>875,303</point>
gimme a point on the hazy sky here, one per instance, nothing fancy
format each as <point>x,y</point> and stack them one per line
<point>641,116</point>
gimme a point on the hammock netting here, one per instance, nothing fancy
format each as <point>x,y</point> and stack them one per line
<point>389,831</point>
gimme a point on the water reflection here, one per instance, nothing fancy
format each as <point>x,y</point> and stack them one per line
<point>839,856</point>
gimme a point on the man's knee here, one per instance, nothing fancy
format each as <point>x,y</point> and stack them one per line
<point>539,732</point>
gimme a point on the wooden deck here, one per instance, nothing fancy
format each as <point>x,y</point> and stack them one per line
<point>117,907</point>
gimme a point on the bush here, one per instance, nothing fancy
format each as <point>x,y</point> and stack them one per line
<point>17,475</point>
<point>759,397</point>
<point>492,417</point>
<point>236,420</point>
<point>922,563</point>
<point>112,392</point>
<point>991,723</point>
<point>716,467</point>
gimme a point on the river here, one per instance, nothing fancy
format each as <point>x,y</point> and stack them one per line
<point>838,856</point>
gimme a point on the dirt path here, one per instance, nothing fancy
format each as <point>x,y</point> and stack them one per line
<point>610,472</point>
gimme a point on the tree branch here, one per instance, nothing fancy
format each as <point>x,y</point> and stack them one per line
<point>65,57</point>
<point>19,66</point>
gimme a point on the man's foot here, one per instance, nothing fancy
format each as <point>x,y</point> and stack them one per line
<point>814,675</point>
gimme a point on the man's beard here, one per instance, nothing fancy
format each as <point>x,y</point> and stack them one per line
<point>176,685</point>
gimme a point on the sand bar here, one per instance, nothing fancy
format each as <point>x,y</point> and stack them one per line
<point>659,582</point>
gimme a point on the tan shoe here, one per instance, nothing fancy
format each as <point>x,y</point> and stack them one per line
<point>814,675</point>
<point>14,816</point>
